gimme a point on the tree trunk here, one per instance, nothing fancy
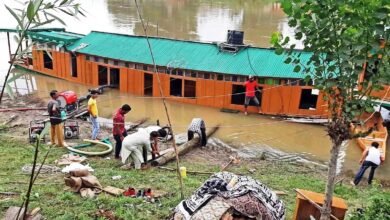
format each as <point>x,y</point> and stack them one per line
<point>326,208</point>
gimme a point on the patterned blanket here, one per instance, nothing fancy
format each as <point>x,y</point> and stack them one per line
<point>216,185</point>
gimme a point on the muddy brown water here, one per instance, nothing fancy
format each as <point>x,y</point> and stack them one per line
<point>200,20</point>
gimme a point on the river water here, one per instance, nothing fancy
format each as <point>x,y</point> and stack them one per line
<point>200,20</point>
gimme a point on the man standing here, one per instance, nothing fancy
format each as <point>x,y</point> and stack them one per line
<point>371,157</point>
<point>250,93</point>
<point>56,130</point>
<point>93,112</point>
<point>198,126</point>
<point>119,130</point>
<point>133,145</point>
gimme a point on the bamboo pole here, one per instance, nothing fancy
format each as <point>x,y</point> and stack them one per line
<point>163,100</point>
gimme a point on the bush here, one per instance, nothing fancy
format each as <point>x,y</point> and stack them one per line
<point>378,208</point>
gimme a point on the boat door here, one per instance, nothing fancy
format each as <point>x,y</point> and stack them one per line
<point>114,77</point>
<point>102,75</point>
<point>148,84</point>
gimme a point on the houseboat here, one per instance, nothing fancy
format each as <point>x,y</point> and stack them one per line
<point>209,74</point>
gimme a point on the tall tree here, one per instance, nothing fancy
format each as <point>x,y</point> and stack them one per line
<point>347,38</point>
<point>33,14</point>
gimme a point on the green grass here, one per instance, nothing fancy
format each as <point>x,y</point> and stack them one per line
<point>56,203</point>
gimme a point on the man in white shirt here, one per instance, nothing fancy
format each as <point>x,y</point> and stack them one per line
<point>134,144</point>
<point>371,157</point>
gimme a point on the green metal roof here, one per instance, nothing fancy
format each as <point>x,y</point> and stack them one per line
<point>187,55</point>
<point>58,37</point>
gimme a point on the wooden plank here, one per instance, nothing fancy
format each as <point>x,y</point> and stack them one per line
<point>219,92</point>
<point>123,79</point>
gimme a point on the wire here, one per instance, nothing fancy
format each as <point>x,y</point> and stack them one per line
<point>181,97</point>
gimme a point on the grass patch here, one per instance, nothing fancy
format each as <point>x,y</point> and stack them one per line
<point>56,203</point>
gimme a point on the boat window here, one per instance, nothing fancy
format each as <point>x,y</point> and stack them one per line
<point>302,82</point>
<point>96,59</point>
<point>139,66</point>
<point>294,82</point>
<point>193,74</point>
<point>308,99</point>
<point>47,60</point>
<point>151,68</point>
<point>277,82</point>
<point>161,70</point>
<point>130,65</point>
<point>179,72</point>
<point>234,78</point>
<point>220,77</point>
<point>200,75</point>
<point>189,88</point>
<point>145,67</point>
<point>88,58</point>
<point>206,76</point>
<point>228,78</point>
<point>116,63</point>
<point>261,80</point>
<point>269,81</point>
<point>176,87</point>
<point>242,78</point>
<point>105,61</point>
<point>74,64</point>
<point>187,73</point>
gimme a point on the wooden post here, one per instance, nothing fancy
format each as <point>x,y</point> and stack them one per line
<point>9,47</point>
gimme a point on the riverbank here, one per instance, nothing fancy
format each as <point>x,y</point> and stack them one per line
<point>50,195</point>
<point>56,203</point>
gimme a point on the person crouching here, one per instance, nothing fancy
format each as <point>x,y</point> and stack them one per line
<point>133,145</point>
<point>198,126</point>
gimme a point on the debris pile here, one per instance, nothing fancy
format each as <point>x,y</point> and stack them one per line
<point>226,196</point>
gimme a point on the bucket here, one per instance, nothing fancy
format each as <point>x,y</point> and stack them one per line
<point>183,172</point>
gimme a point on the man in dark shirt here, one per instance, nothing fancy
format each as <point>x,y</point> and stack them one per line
<point>56,128</point>
<point>118,129</point>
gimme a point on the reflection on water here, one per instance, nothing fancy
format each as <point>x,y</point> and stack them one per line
<point>236,129</point>
<point>205,20</point>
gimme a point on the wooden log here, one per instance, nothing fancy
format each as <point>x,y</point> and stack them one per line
<point>170,155</point>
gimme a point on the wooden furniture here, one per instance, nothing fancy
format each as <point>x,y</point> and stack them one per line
<point>304,208</point>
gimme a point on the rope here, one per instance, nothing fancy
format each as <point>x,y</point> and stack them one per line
<point>179,97</point>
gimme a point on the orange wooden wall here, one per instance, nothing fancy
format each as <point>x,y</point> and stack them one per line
<point>276,100</point>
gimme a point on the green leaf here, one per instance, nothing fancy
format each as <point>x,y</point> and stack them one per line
<point>274,37</point>
<point>17,18</point>
<point>66,12</point>
<point>279,51</point>
<point>30,11</point>
<point>55,17</point>
<point>288,60</point>
<point>43,23</point>
<point>298,35</point>
<point>297,69</point>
